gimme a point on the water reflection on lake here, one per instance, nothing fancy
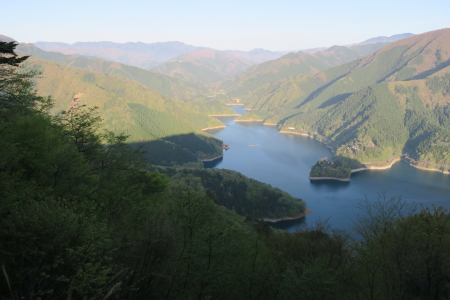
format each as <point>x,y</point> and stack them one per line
<point>284,161</point>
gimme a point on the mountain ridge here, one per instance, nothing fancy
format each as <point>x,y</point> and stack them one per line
<point>402,84</point>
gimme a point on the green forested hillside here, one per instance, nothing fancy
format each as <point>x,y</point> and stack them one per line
<point>211,106</point>
<point>389,103</point>
<point>166,85</point>
<point>127,107</point>
<point>203,66</point>
<point>294,64</point>
<point>243,195</point>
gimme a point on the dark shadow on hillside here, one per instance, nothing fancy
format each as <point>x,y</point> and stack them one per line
<point>212,164</point>
<point>180,150</point>
<point>335,99</point>
<point>286,224</point>
<point>330,183</point>
<point>320,90</point>
<point>350,132</point>
<point>425,74</point>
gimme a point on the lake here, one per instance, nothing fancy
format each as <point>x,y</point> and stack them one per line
<point>285,160</point>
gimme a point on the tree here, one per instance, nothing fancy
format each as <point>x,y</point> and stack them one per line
<point>16,87</point>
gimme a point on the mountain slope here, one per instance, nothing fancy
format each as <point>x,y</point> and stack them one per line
<point>257,56</point>
<point>166,85</point>
<point>387,39</point>
<point>204,66</point>
<point>392,101</point>
<point>131,108</point>
<point>294,64</point>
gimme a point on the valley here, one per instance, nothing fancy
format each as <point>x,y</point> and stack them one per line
<point>159,150</point>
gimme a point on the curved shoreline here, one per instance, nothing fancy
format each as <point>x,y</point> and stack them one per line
<point>329,178</point>
<point>425,169</point>
<point>232,104</point>
<point>208,128</point>
<point>377,168</point>
<point>357,170</point>
<point>248,121</point>
<point>293,132</point>
<point>297,216</point>
<point>214,158</point>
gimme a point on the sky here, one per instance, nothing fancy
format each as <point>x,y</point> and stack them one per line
<point>224,25</point>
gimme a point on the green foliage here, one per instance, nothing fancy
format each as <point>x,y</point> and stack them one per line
<point>243,195</point>
<point>207,106</point>
<point>8,55</point>
<point>340,167</point>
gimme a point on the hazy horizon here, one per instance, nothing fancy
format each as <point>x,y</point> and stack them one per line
<point>225,25</point>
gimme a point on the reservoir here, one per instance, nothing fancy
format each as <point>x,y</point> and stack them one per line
<point>285,160</point>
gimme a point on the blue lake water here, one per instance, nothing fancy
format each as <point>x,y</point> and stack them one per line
<point>285,160</point>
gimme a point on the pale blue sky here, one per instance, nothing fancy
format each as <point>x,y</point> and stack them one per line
<point>230,24</point>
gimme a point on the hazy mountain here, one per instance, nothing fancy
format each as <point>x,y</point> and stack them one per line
<point>166,85</point>
<point>393,100</point>
<point>5,38</point>
<point>172,128</point>
<point>138,54</point>
<point>204,66</point>
<point>51,46</point>
<point>387,39</point>
<point>294,64</point>
<point>149,55</point>
<point>257,56</point>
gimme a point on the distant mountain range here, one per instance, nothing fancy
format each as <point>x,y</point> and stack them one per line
<point>199,65</point>
<point>387,39</point>
<point>149,55</point>
<point>138,54</point>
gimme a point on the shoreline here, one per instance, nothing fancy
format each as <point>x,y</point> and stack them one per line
<point>377,168</point>
<point>329,178</point>
<point>230,115</point>
<point>208,128</point>
<point>270,124</point>
<point>214,158</point>
<point>357,170</point>
<point>232,104</point>
<point>305,134</point>
<point>248,121</point>
<point>423,168</point>
<point>297,216</point>
<point>293,132</point>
